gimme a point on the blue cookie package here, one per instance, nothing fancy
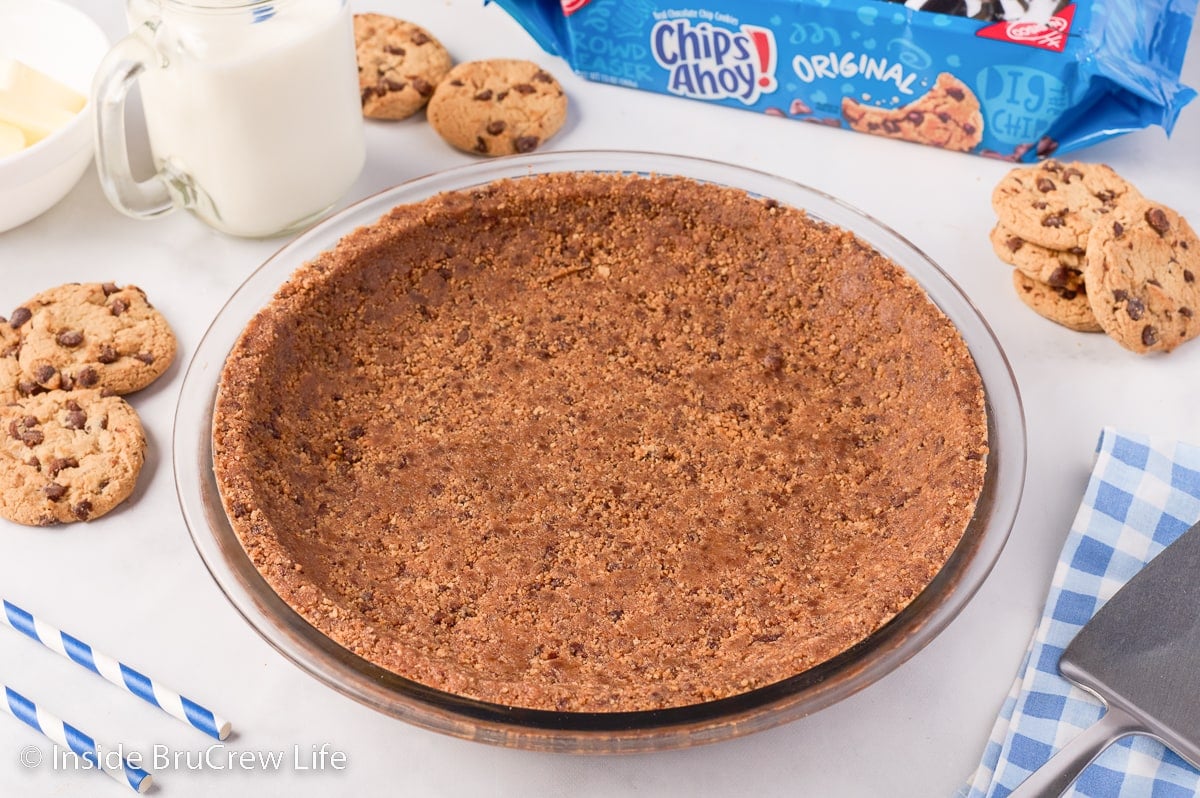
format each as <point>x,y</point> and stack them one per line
<point>1011,79</point>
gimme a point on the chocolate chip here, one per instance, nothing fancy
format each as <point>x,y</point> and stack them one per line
<point>118,306</point>
<point>1045,184</point>
<point>107,354</point>
<point>1149,335</point>
<point>144,357</point>
<point>1071,173</point>
<point>1186,313</point>
<point>418,38</point>
<point>916,117</point>
<point>1118,229</point>
<point>32,437</point>
<point>44,373</point>
<point>1157,219</point>
<point>392,85</point>
<point>1188,277</point>
<point>368,93</point>
<point>59,463</point>
<point>109,289</point>
<point>1046,146</point>
<point>456,83</point>
<point>1135,308</point>
<point>1107,197</point>
<point>1154,283</point>
<point>500,97</point>
<point>75,419</point>
<point>1080,251</point>
<point>29,388</point>
<point>1041,205</point>
<point>1120,295</point>
<point>480,144</point>
<point>968,128</point>
<point>82,510</point>
<point>484,95</point>
<point>956,93</point>
<point>773,362</point>
<point>1013,243</point>
<point>356,432</point>
<point>1053,221</point>
<point>87,377</point>
<point>542,76</point>
<point>70,338</point>
<point>526,143</point>
<point>36,463</point>
<point>523,88</point>
<point>497,127</point>
<point>73,405</point>
<point>943,116</point>
<point>422,87</point>
<point>1067,293</point>
<point>1062,277</point>
<point>19,317</point>
<point>392,49</point>
<point>54,491</point>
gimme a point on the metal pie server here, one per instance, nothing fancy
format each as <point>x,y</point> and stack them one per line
<point>1140,655</point>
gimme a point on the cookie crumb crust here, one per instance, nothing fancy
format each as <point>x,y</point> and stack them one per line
<point>592,442</point>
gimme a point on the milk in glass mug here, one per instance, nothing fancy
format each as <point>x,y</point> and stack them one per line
<point>251,107</point>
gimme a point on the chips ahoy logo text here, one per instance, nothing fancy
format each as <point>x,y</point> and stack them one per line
<point>705,62</point>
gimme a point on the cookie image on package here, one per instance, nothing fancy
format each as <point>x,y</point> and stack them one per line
<point>1141,271</point>
<point>1066,306</point>
<point>67,456</point>
<point>498,107</point>
<point>946,116</point>
<point>1058,268</point>
<point>1055,205</point>
<point>399,65</point>
<point>93,335</point>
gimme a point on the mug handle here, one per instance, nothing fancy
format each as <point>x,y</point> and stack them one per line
<point>142,199</point>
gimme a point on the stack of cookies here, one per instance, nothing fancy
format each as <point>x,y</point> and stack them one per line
<point>494,107</point>
<point>71,447</point>
<point>1091,253</point>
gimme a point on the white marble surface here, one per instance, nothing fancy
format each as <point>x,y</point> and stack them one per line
<point>132,584</point>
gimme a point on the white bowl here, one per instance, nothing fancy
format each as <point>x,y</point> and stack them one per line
<point>67,45</point>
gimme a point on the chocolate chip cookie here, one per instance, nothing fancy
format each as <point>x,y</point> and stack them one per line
<point>10,368</point>
<point>94,335</point>
<point>1065,306</point>
<point>498,107</point>
<point>1059,268</point>
<point>399,65</point>
<point>946,116</point>
<point>1055,205</point>
<point>67,456</point>
<point>1141,272</point>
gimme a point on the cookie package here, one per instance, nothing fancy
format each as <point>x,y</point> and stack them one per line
<point>1010,79</point>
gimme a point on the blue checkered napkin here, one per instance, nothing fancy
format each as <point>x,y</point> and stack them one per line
<point>1144,493</point>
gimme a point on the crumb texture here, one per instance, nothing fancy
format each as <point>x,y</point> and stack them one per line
<point>599,442</point>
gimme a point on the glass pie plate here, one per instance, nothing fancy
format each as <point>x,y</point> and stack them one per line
<point>794,697</point>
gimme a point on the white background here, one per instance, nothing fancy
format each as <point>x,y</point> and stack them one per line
<point>132,584</point>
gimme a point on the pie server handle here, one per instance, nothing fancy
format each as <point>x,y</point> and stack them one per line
<point>1052,779</point>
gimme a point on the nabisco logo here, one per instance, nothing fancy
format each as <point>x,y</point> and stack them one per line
<point>1048,34</point>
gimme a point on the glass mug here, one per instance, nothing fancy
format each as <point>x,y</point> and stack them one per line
<point>251,107</point>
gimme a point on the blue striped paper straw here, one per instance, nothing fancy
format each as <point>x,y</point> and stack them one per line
<point>68,736</point>
<point>116,672</point>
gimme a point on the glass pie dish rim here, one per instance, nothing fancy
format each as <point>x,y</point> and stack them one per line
<point>880,653</point>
